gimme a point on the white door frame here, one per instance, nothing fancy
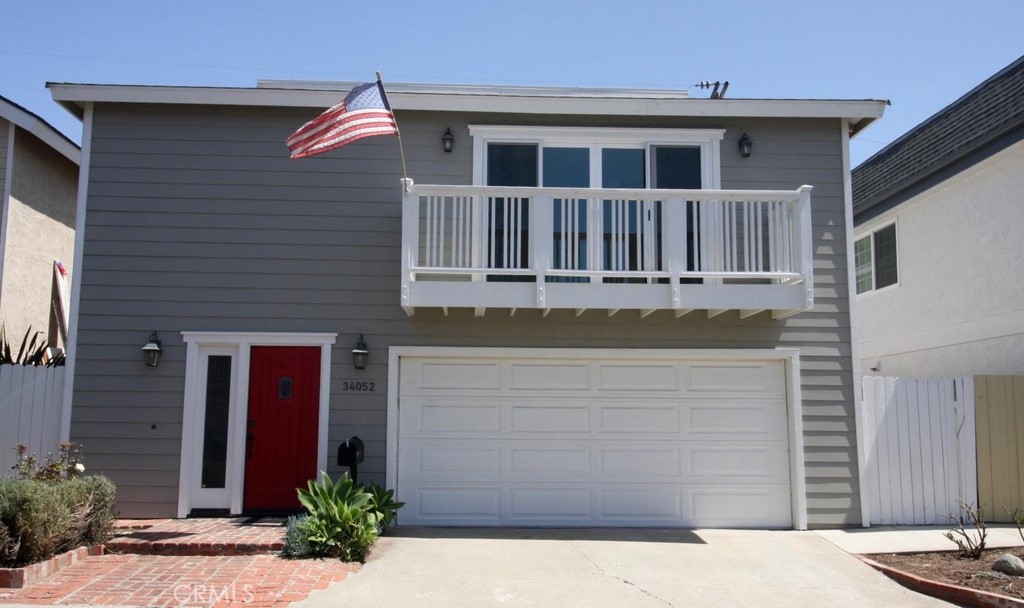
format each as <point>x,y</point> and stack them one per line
<point>789,356</point>
<point>199,345</point>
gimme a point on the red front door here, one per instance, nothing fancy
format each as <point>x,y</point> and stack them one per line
<point>282,427</point>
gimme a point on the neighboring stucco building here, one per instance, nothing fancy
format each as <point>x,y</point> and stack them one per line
<point>594,310</point>
<point>939,219</point>
<point>38,181</point>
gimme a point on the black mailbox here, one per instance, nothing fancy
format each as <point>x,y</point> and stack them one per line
<point>350,454</point>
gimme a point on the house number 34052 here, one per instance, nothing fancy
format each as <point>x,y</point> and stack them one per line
<point>364,387</point>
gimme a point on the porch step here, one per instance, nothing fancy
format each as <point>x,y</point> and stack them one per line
<point>198,536</point>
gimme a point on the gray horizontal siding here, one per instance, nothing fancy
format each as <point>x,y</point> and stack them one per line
<point>197,220</point>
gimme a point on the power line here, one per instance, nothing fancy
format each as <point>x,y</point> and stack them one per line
<point>156,62</point>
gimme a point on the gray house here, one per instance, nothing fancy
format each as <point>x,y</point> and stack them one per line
<point>38,181</point>
<point>593,310</point>
<point>940,240</point>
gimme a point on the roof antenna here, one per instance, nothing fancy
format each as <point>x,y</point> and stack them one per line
<point>715,93</point>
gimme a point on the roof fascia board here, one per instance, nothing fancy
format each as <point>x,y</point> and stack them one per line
<point>41,129</point>
<point>75,94</point>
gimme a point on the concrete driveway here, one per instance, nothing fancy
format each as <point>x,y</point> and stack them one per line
<point>632,568</point>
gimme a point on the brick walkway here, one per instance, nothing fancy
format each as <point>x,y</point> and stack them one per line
<point>254,581</point>
<point>183,563</point>
<point>214,536</point>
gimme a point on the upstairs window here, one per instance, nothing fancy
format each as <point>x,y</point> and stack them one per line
<point>876,260</point>
<point>615,235</point>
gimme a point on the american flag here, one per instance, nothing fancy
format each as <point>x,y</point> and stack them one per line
<point>363,113</point>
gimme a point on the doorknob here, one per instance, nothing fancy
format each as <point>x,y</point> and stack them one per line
<point>249,437</point>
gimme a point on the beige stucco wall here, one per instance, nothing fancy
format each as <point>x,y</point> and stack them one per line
<point>958,308</point>
<point>39,228</point>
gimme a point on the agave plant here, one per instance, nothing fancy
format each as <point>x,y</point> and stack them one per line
<point>33,350</point>
<point>384,503</point>
<point>342,521</point>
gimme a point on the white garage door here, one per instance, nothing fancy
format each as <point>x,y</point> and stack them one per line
<point>599,442</point>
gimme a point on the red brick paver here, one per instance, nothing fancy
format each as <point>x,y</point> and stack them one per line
<point>254,581</point>
<point>213,536</point>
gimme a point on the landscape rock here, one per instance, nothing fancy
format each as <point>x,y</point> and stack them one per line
<point>1009,564</point>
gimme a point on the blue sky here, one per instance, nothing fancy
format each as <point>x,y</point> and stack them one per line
<point>920,55</point>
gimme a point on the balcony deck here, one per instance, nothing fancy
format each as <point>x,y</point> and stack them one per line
<point>486,247</point>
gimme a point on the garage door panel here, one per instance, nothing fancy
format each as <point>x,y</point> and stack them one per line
<point>454,416</point>
<point>551,464</point>
<point>751,419</point>
<point>650,504</point>
<point>549,416</point>
<point>643,378</point>
<point>764,507</point>
<point>440,503</point>
<point>618,417</point>
<point>566,504</point>
<point>638,463</point>
<point>752,464</point>
<point>455,461</point>
<point>444,375</point>
<point>766,378</point>
<point>448,418</point>
<point>549,376</point>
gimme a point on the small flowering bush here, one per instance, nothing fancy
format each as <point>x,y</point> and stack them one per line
<point>65,465</point>
<point>51,508</point>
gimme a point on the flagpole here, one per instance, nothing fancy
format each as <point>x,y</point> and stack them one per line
<point>401,148</point>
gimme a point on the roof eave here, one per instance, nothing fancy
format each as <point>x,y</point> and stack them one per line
<point>859,112</point>
<point>41,129</point>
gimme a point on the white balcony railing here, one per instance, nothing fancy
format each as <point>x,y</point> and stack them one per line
<point>578,248</point>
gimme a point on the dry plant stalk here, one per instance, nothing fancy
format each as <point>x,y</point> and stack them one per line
<point>970,543</point>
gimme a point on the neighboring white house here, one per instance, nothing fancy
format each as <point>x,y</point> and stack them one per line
<point>38,182</point>
<point>939,225</point>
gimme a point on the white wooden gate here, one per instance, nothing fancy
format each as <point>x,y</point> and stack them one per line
<point>920,448</point>
<point>30,411</point>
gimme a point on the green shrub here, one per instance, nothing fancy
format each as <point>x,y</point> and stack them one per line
<point>95,495</point>
<point>341,522</point>
<point>295,543</point>
<point>383,502</point>
<point>42,518</point>
<point>8,545</point>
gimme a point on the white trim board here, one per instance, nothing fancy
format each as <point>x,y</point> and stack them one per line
<point>41,129</point>
<point>237,344</point>
<point>532,100</point>
<point>860,425</point>
<point>790,356</point>
<point>76,282</point>
<point>5,212</point>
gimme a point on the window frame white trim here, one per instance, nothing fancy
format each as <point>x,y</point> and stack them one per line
<point>209,498</point>
<point>708,140</point>
<point>239,344</point>
<point>894,222</point>
<point>789,356</point>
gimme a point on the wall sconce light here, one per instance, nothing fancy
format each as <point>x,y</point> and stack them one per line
<point>448,140</point>
<point>360,354</point>
<point>746,146</point>
<point>151,351</point>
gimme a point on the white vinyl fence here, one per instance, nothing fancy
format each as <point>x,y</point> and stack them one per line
<point>920,446</point>
<point>30,411</point>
